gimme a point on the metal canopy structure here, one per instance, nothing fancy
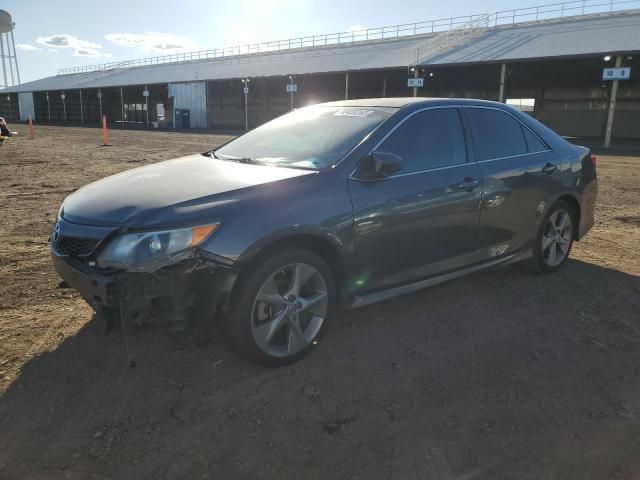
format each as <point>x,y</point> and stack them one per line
<point>605,34</point>
<point>551,58</point>
<point>371,55</point>
<point>458,26</point>
<point>492,39</point>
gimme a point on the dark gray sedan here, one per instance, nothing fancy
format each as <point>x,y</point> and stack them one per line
<point>335,205</point>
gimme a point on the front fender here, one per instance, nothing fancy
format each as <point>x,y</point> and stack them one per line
<point>303,234</point>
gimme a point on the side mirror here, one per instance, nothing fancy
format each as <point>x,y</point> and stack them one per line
<point>378,165</point>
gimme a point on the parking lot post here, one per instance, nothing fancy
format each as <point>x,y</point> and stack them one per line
<point>503,74</point>
<point>122,103</point>
<point>145,93</point>
<point>100,101</point>
<point>81,109</point>
<point>245,89</point>
<point>64,106</point>
<point>48,107</point>
<point>291,93</point>
<point>612,107</point>
<point>346,86</point>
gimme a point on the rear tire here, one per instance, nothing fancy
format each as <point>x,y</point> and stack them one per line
<point>554,239</point>
<point>281,307</point>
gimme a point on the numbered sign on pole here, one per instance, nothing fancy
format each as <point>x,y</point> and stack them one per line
<point>292,88</point>
<point>616,73</point>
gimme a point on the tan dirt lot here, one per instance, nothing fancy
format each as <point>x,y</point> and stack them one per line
<point>502,374</point>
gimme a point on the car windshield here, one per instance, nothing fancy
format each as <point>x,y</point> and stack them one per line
<point>313,137</point>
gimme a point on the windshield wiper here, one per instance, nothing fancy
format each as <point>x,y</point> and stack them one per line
<point>239,159</point>
<point>254,161</point>
<point>212,154</point>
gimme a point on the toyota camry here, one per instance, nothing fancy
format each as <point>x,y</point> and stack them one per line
<point>331,206</point>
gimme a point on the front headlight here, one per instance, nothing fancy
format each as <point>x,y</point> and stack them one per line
<point>147,251</point>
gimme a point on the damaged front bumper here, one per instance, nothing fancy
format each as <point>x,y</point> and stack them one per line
<point>182,296</point>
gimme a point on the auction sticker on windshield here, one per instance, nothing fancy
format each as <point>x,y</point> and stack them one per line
<point>353,113</point>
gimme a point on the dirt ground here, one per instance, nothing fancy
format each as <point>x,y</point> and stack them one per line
<point>499,375</point>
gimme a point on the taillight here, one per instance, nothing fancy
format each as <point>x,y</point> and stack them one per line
<point>594,160</point>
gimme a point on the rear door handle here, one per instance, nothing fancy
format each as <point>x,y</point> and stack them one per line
<point>549,168</point>
<point>468,184</point>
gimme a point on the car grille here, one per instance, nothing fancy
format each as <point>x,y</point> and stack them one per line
<point>76,246</point>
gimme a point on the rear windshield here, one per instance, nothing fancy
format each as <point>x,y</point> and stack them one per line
<point>313,137</point>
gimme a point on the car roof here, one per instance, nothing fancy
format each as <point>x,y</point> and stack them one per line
<point>399,102</point>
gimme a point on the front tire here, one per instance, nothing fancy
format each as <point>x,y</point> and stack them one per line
<point>554,239</point>
<point>282,307</point>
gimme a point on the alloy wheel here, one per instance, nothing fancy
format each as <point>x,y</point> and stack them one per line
<point>556,238</point>
<point>289,310</point>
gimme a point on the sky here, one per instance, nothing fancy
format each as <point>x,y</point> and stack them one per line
<point>66,33</point>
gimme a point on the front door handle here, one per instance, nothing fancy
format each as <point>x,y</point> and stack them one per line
<point>549,168</point>
<point>468,184</point>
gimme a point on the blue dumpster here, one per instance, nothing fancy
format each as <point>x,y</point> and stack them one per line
<point>186,118</point>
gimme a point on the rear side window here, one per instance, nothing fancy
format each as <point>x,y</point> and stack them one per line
<point>427,140</point>
<point>495,133</point>
<point>534,144</point>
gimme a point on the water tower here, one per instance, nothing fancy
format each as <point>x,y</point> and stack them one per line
<point>10,74</point>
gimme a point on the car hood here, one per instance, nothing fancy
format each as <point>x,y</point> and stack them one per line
<point>164,193</point>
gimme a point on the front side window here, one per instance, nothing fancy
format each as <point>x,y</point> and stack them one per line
<point>427,140</point>
<point>312,138</point>
<point>496,134</point>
